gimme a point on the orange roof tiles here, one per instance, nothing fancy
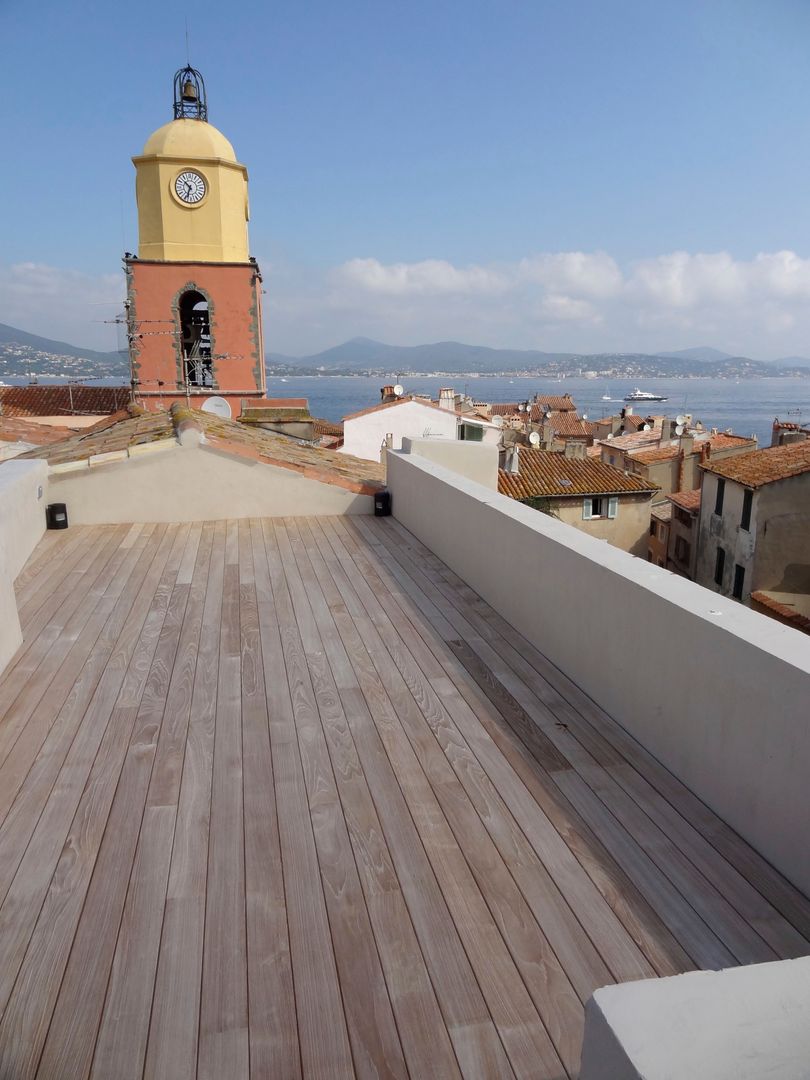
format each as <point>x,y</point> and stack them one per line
<point>15,429</point>
<point>399,401</point>
<point>552,402</point>
<point>62,400</point>
<point>543,473</point>
<point>687,500</point>
<point>231,436</point>
<point>762,467</point>
<point>662,512</point>
<point>783,610</point>
<point>568,423</point>
<point>326,427</point>
<point>655,454</point>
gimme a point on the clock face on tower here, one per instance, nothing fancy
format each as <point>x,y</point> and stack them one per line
<point>190,188</point>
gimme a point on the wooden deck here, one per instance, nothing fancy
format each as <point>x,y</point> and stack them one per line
<point>284,798</point>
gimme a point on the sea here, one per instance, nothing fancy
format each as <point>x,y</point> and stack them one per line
<point>745,406</point>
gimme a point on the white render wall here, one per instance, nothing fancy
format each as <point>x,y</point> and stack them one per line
<point>716,692</point>
<point>193,483</point>
<point>739,1024</point>
<point>23,486</point>
<point>363,436</point>
<point>476,461</point>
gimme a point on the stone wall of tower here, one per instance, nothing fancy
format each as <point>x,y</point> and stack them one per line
<point>233,292</point>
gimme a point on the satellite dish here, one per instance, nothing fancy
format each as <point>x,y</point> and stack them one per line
<point>534,439</point>
<point>645,427</point>
<point>399,390</point>
<point>679,430</point>
<point>497,421</point>
<point>521,407</point>
<point>584,416</point>
<point>680,420</point>
<point>217,406</point>
<point>610,434</point>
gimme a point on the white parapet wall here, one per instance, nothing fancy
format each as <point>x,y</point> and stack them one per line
<point>716,692</point>
<point>741,1024</point>
<point>22,523</point>
<point>476,461</point>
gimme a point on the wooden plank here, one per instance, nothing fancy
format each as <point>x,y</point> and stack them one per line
<point>558,879</point>
<point>174,1026</point>
<point>96,759</point>
<point>375,1045</point>
<point>223,1046</point>
<point>472,1032</point>
<point>499,933</point>
<point>700,940</point>
<point>423,1032</point>
<point>121,1042</point>
<point>273,1031</point>
<point>91,886</point>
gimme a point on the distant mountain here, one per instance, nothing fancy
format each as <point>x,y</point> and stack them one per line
<point>703,353</point>
<point>454,357</point>
<point>451,356</point>
<point>10,335</point>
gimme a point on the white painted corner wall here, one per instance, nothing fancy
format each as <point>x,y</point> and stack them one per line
<point>23,490</point>
<point>716,692</point>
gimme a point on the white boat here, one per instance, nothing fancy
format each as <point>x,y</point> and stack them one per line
<point>644,395</point>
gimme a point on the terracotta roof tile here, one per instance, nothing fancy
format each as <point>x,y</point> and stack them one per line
<point>687,500</point>
<point>662,512</point>
<point>243,440</point>
<point>656,453</point>
<point>784,610</point>
<point>399,401</point>
<point>327,427</point>
<point>766,466</point>
<point>568,423</point>
<point>15,429</point>
<point>554,402</point>
<point>544,473</point>
<point>62,400</point>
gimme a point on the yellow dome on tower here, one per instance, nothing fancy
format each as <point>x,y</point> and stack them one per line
<point>189,139</point>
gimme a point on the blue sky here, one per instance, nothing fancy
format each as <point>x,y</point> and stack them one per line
<point>583,175</point>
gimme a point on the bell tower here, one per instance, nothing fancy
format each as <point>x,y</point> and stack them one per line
<point>193,291</point>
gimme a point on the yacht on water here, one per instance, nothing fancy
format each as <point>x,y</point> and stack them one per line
<point>643,395</point>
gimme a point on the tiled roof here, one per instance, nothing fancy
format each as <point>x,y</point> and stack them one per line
<point>231,436</point>
<point>555,403</point>
<point>662,512</point>
<point>326,427</point>
<point>62,400</point>
<point>654,454</point>
<point>399,401</point>
<point>568,423</point>
<point>766,466</point>
<point>637,440</point>
<point>725,441</point>
<point>545,473</point>
<point>687,500</point>
<point>15,429</point>
<point>781,604</point>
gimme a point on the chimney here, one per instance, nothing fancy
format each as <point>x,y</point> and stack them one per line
<point>666,430</point>
<point>687,444</point>
<point>574,449</point>
<point>387,393</point>
<point>447,398</point>
<point>627,410</point>
<point>513,464</point>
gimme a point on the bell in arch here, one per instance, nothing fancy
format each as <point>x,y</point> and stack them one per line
<point>189,95</point>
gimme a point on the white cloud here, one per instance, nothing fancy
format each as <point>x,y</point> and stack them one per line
<point>556,300</point>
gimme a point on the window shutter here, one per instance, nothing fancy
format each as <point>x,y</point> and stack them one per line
<point>586,508</point>
<point>613,507</point>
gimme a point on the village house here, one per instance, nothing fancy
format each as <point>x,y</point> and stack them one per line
<point>592,496</point>
<point>754,531</point>
<point>683,532</point>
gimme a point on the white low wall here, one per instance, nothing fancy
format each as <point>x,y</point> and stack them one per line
<point>741,1024</point>
<point>191,483</point>
<point>718,693</point>
<point>22,523</point>
<point>476,461</point>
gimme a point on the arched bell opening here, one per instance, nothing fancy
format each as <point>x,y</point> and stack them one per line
<point>195,338</point>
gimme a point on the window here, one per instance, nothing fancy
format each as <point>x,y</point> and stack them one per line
<point>598,506</point>
<point>683,550</point>
<point>684,517</point>
<point>471,432</point>
<point>195,338</point>
<point>739,579</point>
<point>718,501</point>
<point>719,566</point>
<point>652,528</point>
<point>748,499</point>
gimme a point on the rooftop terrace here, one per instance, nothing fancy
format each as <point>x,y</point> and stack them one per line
<point>286,796</point>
